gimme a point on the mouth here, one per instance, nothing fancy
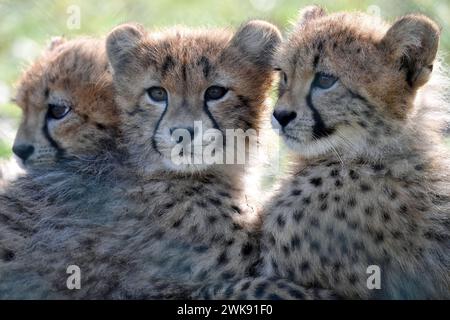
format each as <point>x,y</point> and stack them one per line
<point>289,137</point>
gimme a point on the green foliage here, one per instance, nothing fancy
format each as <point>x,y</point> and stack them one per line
<point>5,149</point>
<point>27,25</point>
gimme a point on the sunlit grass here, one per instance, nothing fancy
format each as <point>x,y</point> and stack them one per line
<point>5,150</point>
<point>10,110</point>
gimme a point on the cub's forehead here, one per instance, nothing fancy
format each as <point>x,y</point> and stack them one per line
<point>340,35</point>
<point>58,74</point>
<point>183,46</point>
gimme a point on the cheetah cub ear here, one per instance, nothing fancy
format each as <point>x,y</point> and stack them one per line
<point>411,43</point>
<point>257,40</point>
<point>309,14</point>
<point>121,41</point>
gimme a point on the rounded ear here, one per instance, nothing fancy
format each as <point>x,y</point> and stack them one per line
<point>412,43</point>
<point>309,14</point>
<point>120,42</point>
<point>257,40</point>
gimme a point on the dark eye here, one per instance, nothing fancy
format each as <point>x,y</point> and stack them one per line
<point>324,81</point>
<point>57,111</point>
<point>157,94</point>
<point>215,93</point>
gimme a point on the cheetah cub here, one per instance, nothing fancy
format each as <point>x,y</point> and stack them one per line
<point>184,224</point>
<point>66,137</point>
<point>371,183</point>
<point>67,102</point>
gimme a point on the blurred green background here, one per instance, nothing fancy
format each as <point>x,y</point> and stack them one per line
<point>26,26</point>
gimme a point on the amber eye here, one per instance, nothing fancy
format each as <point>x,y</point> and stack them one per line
<point>324,81</point>
<point>215,93</point>
<point>57,111</point>
<point>157,94</point>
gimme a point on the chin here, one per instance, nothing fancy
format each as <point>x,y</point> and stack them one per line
<point>169,165</point>
<point>311,148</point>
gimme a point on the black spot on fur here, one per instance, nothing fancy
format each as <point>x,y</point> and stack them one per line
<point>338,183</point>
<point>296,192</point>
<point>215,201</point>
<point>201,204</point>
<point>212,219</point>
<point>168,65</point>
<point>201,249</point>
<point>281,221</point>
<point>8,255</point>
<point>334,172</point>
<point>236,227</point>
<point>224,194</point>
<point>236,209</point>
<point>298,215</point>
<point>260,290</point>
<point>295,242</point>
<point>352,202</point>
<point>340,214</point>
<point>419,167</point>
<point>169,205</point>
<point>314,222</point>
<point>353,278</point>
<point>273,296</point>
<point>353,175</point>
<point>304,266</point>
<point>368,211</point>
<point>245,286</point>
<point>323,206</point>
<point>222,259</point>
<point>316,181</point>
<point>323,196</point>
<point>316,61</point>
<point>306,200</point>
<point>177,223</point>
<point>365,187</point>
<point>296,294</point>
<point>315,246</point>
<point>378,167</point>
<point>204,62</point>
<point>379,236</point>
<point>403,209</point>
<point>100,126</point>
<point>247,248</point>
<point>226,275</point>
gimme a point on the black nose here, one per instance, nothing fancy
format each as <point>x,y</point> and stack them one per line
<point>284,117</point>
<point>188,129</point>
<point>23,151</point>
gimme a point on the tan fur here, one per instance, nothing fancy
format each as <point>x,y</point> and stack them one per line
<point>372,186</point>
<point>145,236</point>
<point>73,74</point>
<point>77,70</point>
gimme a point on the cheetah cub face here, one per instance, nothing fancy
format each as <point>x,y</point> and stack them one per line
<point>67,101</point>
<point>178,85</point>
<point>347,80</point>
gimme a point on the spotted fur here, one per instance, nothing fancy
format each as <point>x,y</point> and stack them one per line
<point>152,230</point>
<point>70,74</point>
<point>370,183</point>
<point>78,69</point>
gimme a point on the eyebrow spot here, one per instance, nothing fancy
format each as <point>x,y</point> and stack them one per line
<point>169,63</point>
<point>204,62</point>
